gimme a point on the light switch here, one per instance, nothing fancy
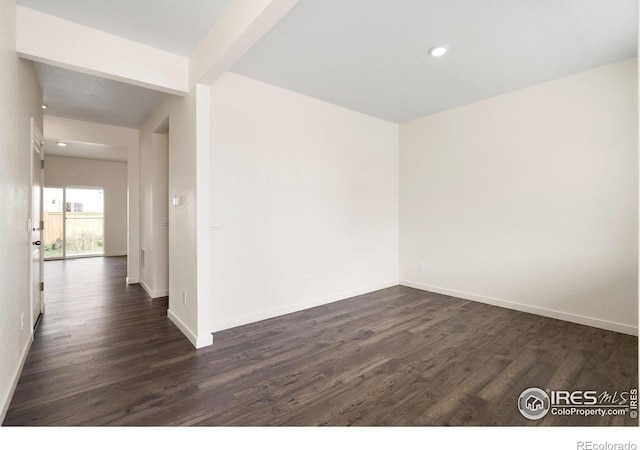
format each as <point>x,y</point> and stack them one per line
<point>175,201</point>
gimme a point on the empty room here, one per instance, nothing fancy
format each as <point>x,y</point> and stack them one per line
<point>410,213</point>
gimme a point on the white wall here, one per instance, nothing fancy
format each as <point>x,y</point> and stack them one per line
<point>529,200</point>
<point>111,176</point>
<point>240,26</point>
<point>181,113</point>
<point>60,129</point>
<point>304,202</point>
<point>161,213</point>
<point>20,99</point>
<point>154,182</point>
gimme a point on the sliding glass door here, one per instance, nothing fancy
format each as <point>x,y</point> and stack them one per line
<point>84,226</point>
<point>73,222</point>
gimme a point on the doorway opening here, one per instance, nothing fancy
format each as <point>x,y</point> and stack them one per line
<point>73,222</point>
<point>155,215</point>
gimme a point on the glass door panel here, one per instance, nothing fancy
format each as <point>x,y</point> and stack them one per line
<point>84,225</point>
<point>53,218</point>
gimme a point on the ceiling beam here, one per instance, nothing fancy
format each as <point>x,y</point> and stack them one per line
<point>51,40</point>
<point>242,25</point>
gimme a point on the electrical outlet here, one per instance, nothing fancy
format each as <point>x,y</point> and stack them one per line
<point>184,298</point>
<point>22,321</point>
<point>420,267</point>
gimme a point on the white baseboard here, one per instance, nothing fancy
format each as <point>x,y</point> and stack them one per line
<point>196,341</point>
<point>152,293</point>
<point>146,288</point>
<point>553,314</point>
<point>110,255</point>
<point>295,307</point>
<point>133,280</point>
<point>16,377</point>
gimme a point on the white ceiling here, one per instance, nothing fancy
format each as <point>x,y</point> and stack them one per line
<point>366,55</point>
<point>371,55</point>
<point>79,96</point>
<point>175,26</point>
<point>85,150</point>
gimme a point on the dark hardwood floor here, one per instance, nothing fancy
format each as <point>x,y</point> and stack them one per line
<point>106,354</point>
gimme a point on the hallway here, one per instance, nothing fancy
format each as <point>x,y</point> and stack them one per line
<point>95,342</point>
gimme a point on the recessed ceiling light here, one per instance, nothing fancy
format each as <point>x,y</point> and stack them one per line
<point>44,106</point>
<point>438,50</point>
<point>61,144</point>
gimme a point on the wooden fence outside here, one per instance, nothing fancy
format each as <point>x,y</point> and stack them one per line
<point>53,226</point>
<point>84,229</point>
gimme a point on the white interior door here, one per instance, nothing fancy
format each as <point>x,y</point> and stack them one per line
<point>37,255</point>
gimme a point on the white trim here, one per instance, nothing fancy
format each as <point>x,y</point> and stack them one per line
<point>560,315</point>
<point>111,255</point>
<point>153,294</point>
<point>295,307</point>
<point>36,143</point>
<point>146,288</point>
<point>196,341</point>
<point>203,206</point>
<point>133,280</point>
<point>16,378</point>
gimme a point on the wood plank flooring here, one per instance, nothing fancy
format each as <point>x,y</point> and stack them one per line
<point>106,354</point>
